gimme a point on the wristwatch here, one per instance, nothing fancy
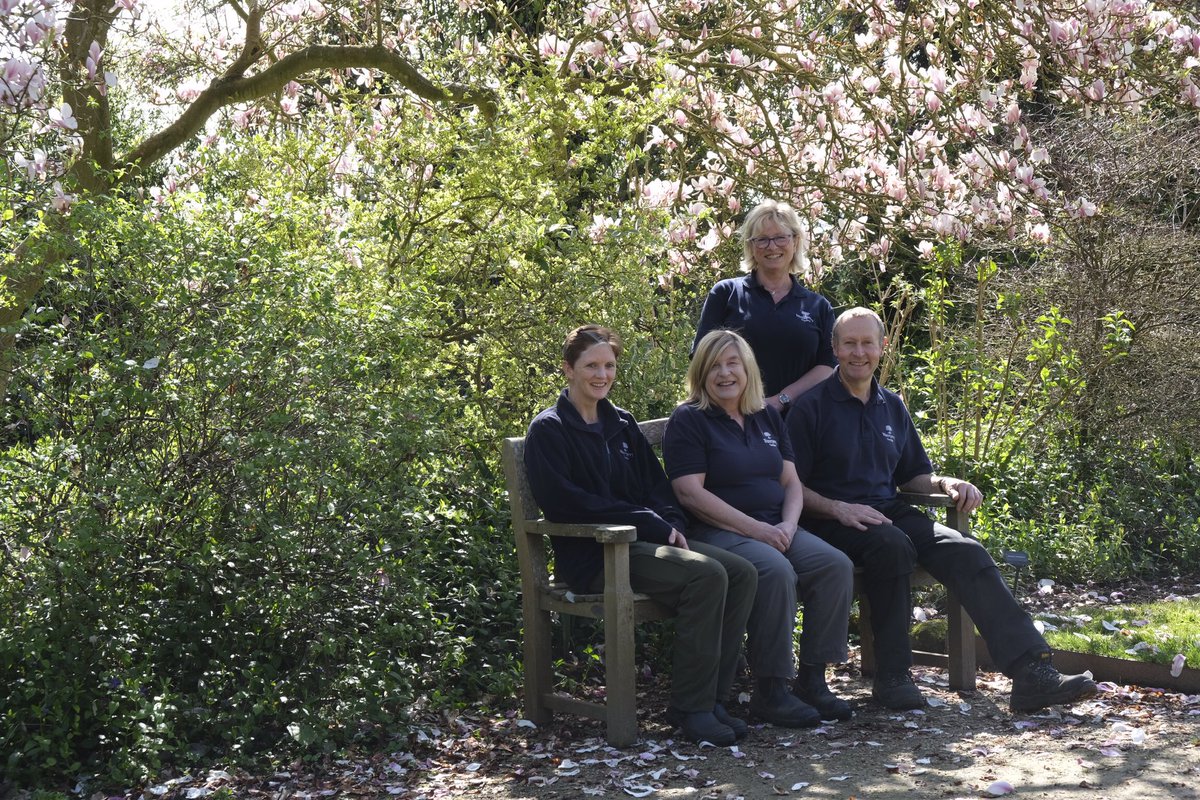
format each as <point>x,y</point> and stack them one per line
<point>784,400</point>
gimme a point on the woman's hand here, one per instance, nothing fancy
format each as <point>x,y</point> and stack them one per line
<point>777,536</point>
<point>677,539</point>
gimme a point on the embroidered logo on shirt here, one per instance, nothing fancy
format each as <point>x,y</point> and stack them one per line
<point>804,316</point>
<point>769,440</point>
<point>889,434</point>
<point>625,452</point>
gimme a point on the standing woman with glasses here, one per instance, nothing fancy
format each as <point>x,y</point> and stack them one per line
<point>788,326</point>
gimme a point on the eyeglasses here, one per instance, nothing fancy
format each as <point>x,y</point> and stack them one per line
<point>763,242</point>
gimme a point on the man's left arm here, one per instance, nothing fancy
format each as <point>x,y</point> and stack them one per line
<point>915,461</point>
<point>966,496</point>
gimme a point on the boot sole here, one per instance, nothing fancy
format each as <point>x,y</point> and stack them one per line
<point>1040,701</point>
<point>911,704</point>
<point>673,719</point>
<point>788,722</point>
<point>826,713</point>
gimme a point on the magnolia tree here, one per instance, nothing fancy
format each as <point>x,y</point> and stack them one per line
<point>98,94</point>
<point>886,123</point>
<point>890,125</point>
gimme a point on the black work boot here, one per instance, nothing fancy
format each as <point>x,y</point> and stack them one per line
<point>811,688</point>
<point>773,703</point>
<point>702,726</point>
<point>1038,684</point>
<point>738,726</point>
<point>896,690</point>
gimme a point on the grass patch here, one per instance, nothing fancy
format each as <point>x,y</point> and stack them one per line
<point>1153,632</point>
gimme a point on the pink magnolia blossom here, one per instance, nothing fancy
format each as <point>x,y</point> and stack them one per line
<point>710,241</point>
<point>1190,93</point>
<point>92,63</point>
<point>659,193</point>
<point>61,202</point>
<point>35,167</point>
<point>937,79</point>
<point>1083,208</point>
<point>64,117</point>
<point>189,90</point>
<point>600,226</point>
<point>1029,72</point>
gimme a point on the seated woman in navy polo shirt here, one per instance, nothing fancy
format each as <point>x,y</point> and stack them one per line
<point>588,462</point>
<point>733,470</point>
<point>788,326</point>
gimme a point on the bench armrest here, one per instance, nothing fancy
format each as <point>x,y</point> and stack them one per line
<point>932,500</point>
<point>605,534</point>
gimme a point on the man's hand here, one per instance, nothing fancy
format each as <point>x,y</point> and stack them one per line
<point>677,539</point>
<point>856,515</point>
<point>966,496</point>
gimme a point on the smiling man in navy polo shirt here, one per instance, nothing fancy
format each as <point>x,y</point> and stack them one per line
<point>855,447</point>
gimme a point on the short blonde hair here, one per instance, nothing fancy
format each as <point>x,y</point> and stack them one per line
<point>855,313</point>
<point>785,217</point>
<point>707,353</point>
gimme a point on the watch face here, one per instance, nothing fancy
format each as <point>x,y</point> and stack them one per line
<point>784,399</point>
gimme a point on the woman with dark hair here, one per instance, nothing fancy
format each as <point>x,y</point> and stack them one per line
<point>588,462</point>
<point>732,466</point>
<point>787,325</point>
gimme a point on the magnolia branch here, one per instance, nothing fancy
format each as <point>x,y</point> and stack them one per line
<point>226,91</point>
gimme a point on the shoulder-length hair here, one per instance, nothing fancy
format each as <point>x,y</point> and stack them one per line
<point>708,352</point>
<point>785,217</point>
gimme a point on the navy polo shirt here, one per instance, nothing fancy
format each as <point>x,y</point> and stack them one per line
<point>853,451</point>
<point>741,465</point>
<point>788,338</point>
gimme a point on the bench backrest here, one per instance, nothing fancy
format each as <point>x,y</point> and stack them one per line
<point>531,548</point>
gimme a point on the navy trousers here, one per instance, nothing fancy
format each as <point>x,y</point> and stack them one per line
<point>888,554</point>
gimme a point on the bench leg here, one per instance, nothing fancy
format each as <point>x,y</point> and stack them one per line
<point>866,639</point>
<point>620,669</point>
<point>539,680</point>
<point>960,646</point>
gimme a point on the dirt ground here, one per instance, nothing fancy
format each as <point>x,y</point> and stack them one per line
<point>1126,744</point>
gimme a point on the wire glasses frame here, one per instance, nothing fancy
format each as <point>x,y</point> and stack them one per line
<point>763,242</point>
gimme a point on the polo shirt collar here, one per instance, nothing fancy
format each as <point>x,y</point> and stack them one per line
<point>753,281</point>
<point>841,393</point>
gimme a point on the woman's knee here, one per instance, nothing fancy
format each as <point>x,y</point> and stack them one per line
<point>741,573</point>
<point>775,571</point>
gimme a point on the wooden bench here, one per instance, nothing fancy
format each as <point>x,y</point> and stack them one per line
<point>621,608</point>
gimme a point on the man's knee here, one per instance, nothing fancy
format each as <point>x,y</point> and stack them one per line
<point>889,551</point>
<point>961,555</point>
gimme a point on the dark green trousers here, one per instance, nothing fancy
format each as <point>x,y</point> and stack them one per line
<point>711,591</point>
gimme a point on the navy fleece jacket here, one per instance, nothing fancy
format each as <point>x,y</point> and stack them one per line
<point>609,476</point>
